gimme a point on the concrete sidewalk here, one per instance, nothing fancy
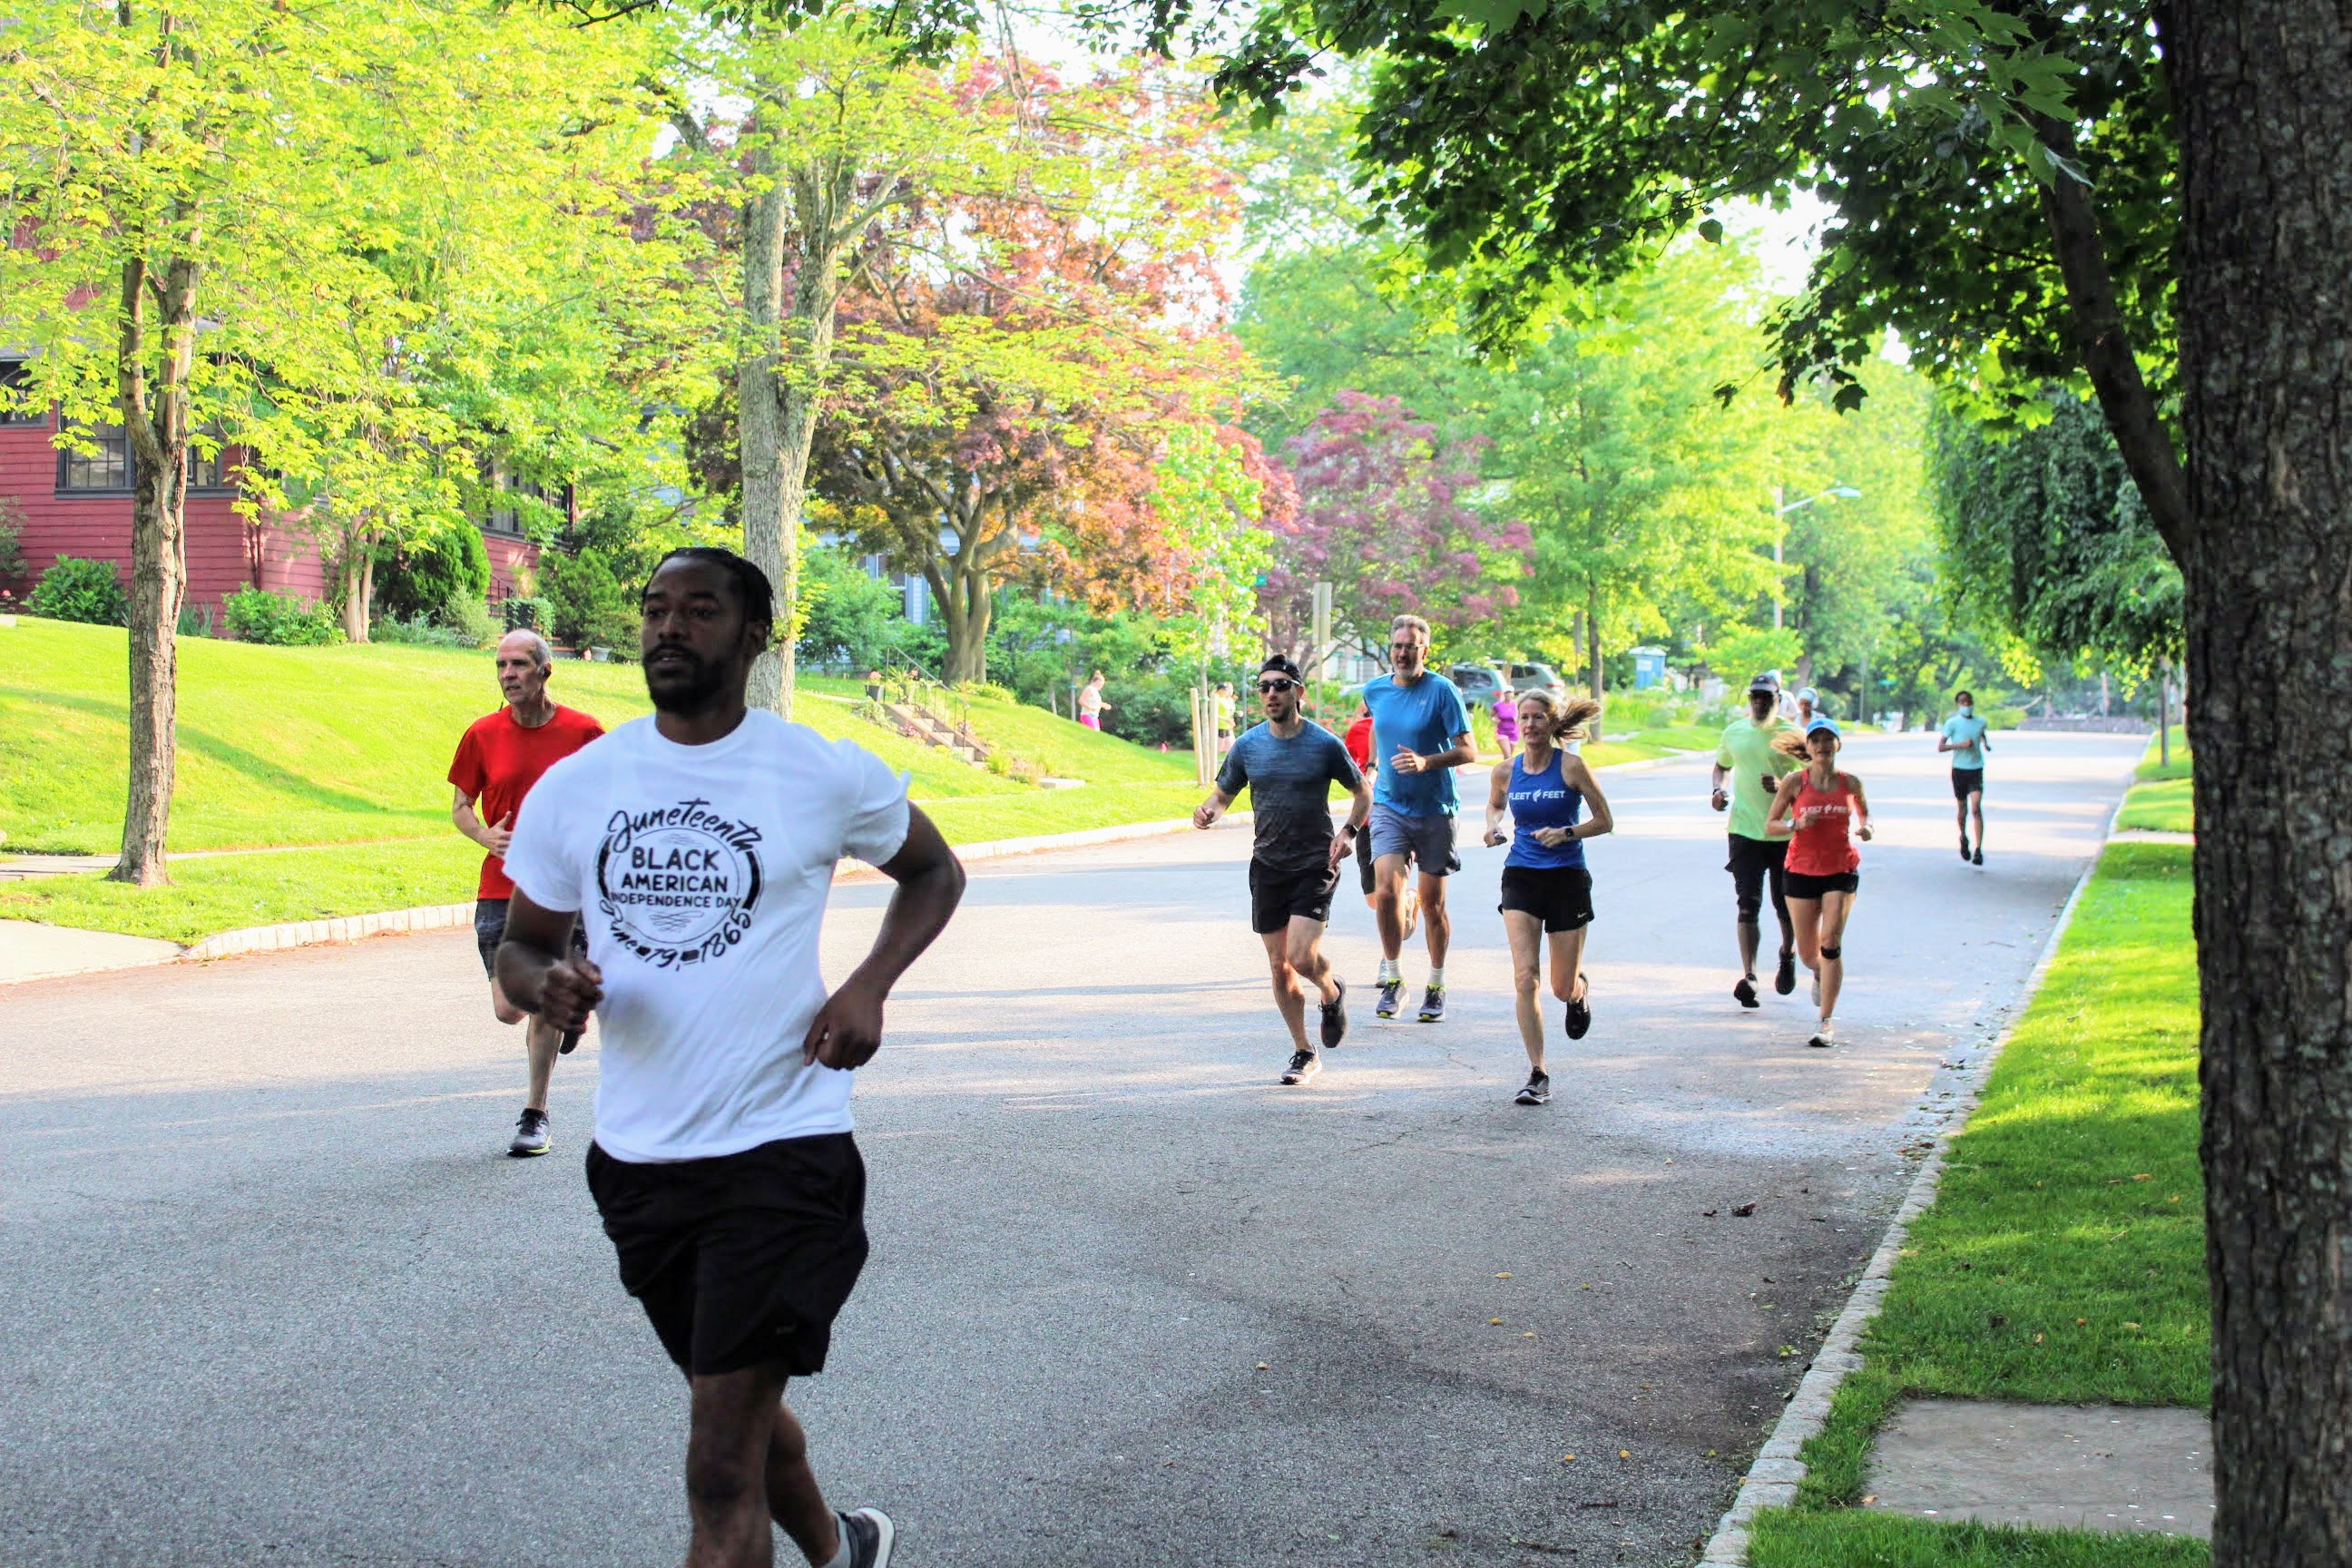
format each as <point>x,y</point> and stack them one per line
<point>29,950</point>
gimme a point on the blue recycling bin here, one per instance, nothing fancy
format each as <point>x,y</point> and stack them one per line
<point>1649,667</point>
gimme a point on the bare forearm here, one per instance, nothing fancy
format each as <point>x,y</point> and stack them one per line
<point>470,825</point>
<point>522,968</point>
<point>919,909</point>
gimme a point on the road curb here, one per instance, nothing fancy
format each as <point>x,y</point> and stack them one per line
<point>1951,1097</point>
<point>313,934</point>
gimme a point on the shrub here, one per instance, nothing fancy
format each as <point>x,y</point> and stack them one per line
<point>588,604</point>
<point>12,554</point>
<point>422,575</point>
<point>523,613</point>
<point>198,621</point>
<point>468,616</point>
<point>419,631</point>
<point>1151,709</point>
<point>77,590</point>
<point>281,620</point>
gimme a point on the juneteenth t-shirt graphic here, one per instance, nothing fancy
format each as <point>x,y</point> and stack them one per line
<point>678,883</point>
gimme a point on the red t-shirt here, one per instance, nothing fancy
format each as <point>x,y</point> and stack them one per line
<point>1359,740</point>
<point>1821,845</point>
<point>498,761</point>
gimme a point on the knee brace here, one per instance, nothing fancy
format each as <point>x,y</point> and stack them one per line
<point>1833,951</point>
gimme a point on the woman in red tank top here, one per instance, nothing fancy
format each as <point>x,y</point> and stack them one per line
<point>1822,812</point>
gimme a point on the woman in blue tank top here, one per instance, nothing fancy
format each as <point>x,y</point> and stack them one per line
<point>1547,791</point>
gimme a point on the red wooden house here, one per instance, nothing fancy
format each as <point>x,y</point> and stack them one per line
<point>76,504</point>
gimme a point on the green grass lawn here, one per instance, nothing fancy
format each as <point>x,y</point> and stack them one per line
<point>2063,1261</point>
<point>2161,800</point>
<point>344,751</point>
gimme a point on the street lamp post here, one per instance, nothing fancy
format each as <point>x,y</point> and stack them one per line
<point>1779,512</point>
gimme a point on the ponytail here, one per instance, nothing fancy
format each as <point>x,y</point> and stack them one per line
<point>1565,719</point>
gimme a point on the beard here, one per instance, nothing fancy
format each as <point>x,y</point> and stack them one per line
<point>691,685</point>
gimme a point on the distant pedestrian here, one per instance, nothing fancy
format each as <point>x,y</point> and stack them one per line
<point>1420,732</point>
<point>700,843</point>
<point>1506,721</point>
<point>499,760</point>
<point>1967,738</point>
<point>1288,765</point>
<point>1747,770</point>
<point>1809,707</point>
<point>1823,813</point>
<point>1091,706</point>
<point>1222,704</point>
<point>1547,887</point>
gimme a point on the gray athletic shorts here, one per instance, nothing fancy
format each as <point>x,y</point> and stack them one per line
<point>1429,840</point>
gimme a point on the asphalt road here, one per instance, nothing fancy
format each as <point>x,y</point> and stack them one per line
<point>272,1294</point>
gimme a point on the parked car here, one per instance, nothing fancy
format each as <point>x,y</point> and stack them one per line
<point>1480,683</point>
<point>1538,678</point>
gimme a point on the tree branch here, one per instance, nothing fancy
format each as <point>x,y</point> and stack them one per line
<point>2141,437</point>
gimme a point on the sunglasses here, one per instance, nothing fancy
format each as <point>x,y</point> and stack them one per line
<point>1278,684</point>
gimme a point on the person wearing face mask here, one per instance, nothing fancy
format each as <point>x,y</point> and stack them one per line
<point>1963,735</point>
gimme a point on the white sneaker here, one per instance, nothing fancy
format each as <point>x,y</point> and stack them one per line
<point>1825,1035</point>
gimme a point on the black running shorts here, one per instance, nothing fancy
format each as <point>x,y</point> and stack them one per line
<point>1364,859</point>
<point>1753,862</point>
<point>1801,885</point>
<point>1559,896</point>
<point>1966,782</point>
<point>490,928</point>
<point>1279,897</point>
<point>740,1260</point>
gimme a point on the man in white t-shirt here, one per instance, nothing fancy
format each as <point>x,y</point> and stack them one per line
<point>697,848</point>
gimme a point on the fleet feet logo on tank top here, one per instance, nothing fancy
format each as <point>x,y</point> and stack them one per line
<point>678,884</point>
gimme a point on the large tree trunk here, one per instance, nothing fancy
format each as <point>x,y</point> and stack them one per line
<point>2266,375</point>
<point>759,399</point>
<point>158,447</point>
<point>967,620</point>
<point>357,573</point>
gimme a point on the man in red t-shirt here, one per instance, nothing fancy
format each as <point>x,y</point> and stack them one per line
<point>1359,741</point>
<point>500,758</point>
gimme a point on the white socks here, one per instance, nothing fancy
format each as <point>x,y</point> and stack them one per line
<point>1389,970</point>
<point>1437,978</point>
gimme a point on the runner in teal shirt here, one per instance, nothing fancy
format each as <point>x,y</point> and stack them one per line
<point>1963,735</point>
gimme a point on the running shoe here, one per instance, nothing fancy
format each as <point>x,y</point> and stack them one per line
<point>1824,1037</point>
<point>869,1535</point>
<point>1579,1009</point>
<point>1746,991</point>
<point>1390,991</point>
<point>1335,1015</point>
<point>1432,1005</point>
<point>1979,856</point>
<point>1538,1090</point>
<point>1303,1065</point>
<point>1784,979</point>
<point>530,1135</point>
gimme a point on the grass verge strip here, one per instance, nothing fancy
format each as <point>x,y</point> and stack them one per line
<point>2063,1261</point>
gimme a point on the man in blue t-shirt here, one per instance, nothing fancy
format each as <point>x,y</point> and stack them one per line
<point>1964,737</point>
<point>1420,734</point>
<point>1288,766</point>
